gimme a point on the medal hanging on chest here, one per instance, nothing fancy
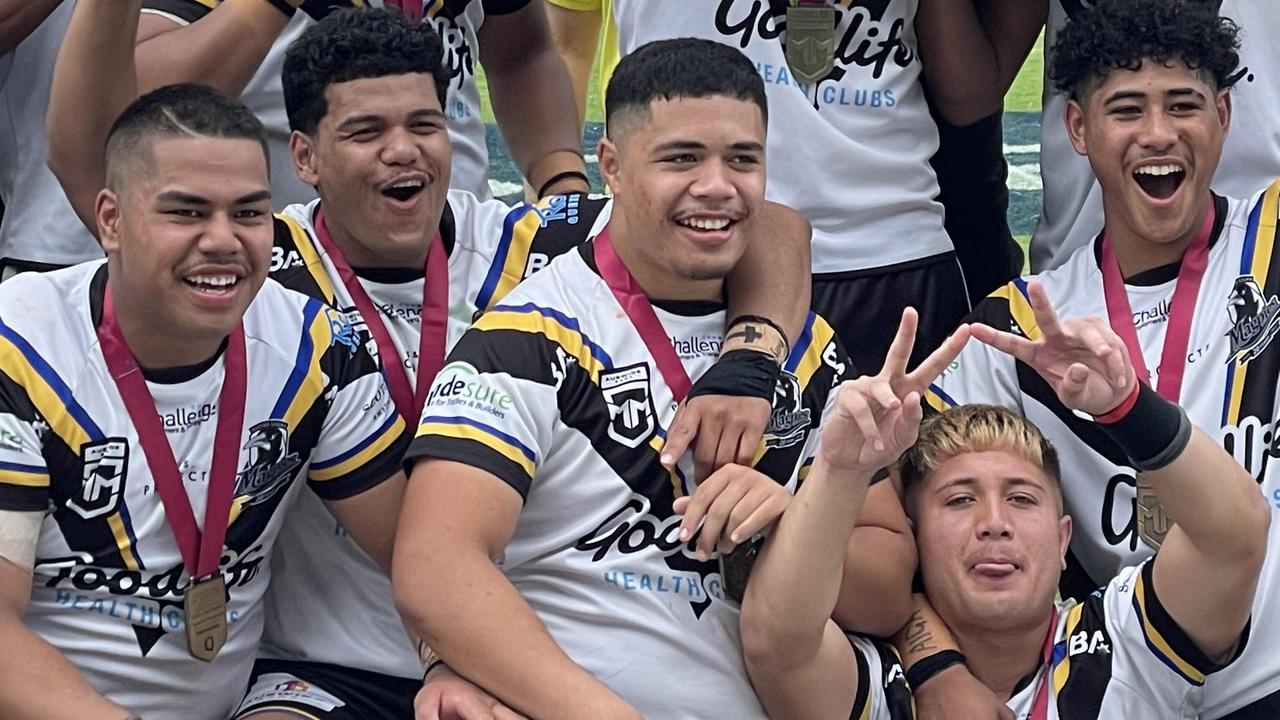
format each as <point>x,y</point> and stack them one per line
<point>206,609</point>
<point>810,40</point>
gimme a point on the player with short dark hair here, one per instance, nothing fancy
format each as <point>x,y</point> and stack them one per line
<point>160,407</point>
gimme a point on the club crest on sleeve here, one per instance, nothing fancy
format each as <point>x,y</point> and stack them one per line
<point>270,465</point>
<point>105,464</point>
<point>626,392</point>
<point>1255,319</point>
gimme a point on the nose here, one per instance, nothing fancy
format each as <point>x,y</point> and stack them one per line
<point>1158,132</point>
<point>993,521</point>
<point>220,236</point>
<point>713,181</point>
<point>399,148</point>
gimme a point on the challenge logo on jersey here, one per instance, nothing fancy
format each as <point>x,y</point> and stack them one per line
<point>105,466</point>
<point>271,466</point>
<point>1255,319</point>
<point>626,392</point>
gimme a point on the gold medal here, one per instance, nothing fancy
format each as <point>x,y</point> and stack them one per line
<point>811,41</point>
<point>206,607</point>
<point>1153,521</point>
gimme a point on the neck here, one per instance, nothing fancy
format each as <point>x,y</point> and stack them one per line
<point>658,283</point>
<point>154,348</point>
<point>358,254</point>
<point>1136,254</point>
<point>1000,659</point>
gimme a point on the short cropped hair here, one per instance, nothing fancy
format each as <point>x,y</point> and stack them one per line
<point>1122,34</point>
<point>976,428</point>
<point>682,68</point>
<point>354,44</point>
<point>184,110</point>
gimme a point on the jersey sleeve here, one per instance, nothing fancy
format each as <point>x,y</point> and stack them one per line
<point>982,374</point>
<point>362,438</point>
<point>494,404</point>
<point>184,12</point>
<point>1149,653</point>
<point>577,5</point>
<point>24,475</point>
<point>503,7</point>
<point>882,692</point>
<point>819,364</point>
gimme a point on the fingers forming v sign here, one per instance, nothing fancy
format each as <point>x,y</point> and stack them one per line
<point>1082,359</point>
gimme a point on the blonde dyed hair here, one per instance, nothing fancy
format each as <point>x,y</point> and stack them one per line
<point>977,428</point>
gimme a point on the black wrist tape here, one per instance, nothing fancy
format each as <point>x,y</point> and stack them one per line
<point>1153,433</point>
<point>925,668</point>
<point>742,373</point>
<point>283,7</point>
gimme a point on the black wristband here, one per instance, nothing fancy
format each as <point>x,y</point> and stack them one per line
<point>741,373</point>
<point>283,7</point>
<point>431,666</point>
<point>925,668</point>
<point>1153,432</point>
<point>542,191</point>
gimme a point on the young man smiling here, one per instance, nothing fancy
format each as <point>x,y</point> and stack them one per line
<point>561,476</point>
<point>982,487</point>
<point>1182,274</point>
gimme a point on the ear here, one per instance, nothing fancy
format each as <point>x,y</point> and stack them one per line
<point>1075,126</point>
<point>1064,538</point>
<point>1223,105</point>
<point>610,164</point>
<point>303,152</point>
<point>107,212</point>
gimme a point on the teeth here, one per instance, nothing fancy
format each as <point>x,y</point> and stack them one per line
<point>212,280</point>
<point>408,184</point>
<point>1158,170</point>
<point>706,224</point>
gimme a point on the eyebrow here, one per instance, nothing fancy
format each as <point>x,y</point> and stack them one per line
<point>1013,480</point>
<point>1140,95</point>
<point>177,196</point>
<point>370,118</point>
<point>747,145</point>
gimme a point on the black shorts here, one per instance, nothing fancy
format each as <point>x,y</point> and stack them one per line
<point>331,692</point>
<point>865,306</point>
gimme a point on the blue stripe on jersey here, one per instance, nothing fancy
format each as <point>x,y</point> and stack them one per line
<point>942,395</point>
<point>571,323</point>
<point>374,436</point>
<point>20,468</point>
<point>1246,262</point>
<point>487,429</point>
<point>802,344</point>
<point>485,296</point>
<point>50,376</point>
<point>301,364</point>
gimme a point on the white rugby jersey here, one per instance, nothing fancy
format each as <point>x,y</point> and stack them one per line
<point>1116,656</point>
<point>109,581</point>
<point>457,22</point>
<point>554,392</point>
<point>1072,212</point>
<point>39,224</point>
<point>1229,390</point>
<point>852,152</point>
<point>329,602</point>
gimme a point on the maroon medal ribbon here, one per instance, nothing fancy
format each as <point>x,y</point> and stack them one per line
<point>1040,705</point>
<point>432,332</point>
<point>638,308</point>
<point>201,551</point>
<point>1181,309</point>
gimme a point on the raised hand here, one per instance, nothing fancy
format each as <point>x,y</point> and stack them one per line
<point>1082,359</point>
<point>877,417</point>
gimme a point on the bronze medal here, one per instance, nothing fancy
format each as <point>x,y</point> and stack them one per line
<point>1153,521</point>
<point>811,41</point>
<point>206,607</point>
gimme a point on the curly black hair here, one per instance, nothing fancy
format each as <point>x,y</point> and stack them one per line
<point>354,44</point>
<point>1121,34</point>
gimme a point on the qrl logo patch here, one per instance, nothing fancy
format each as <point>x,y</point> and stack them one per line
<point>105,465</point>
<point>626,392</point>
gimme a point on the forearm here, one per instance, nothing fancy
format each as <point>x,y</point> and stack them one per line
<point>467,611</point>
<point>576,35</point>
<point>38,683</point>
<point>807,550</point>
<point>93,81</point>
<point>924,634</point>
<point>534,105</point>
<point>773,277</point>
<point>19,18</point>
<point>223,49</point>
<point>875,592</point>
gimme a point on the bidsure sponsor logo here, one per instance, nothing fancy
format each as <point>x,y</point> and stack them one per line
<point>460,384</point>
